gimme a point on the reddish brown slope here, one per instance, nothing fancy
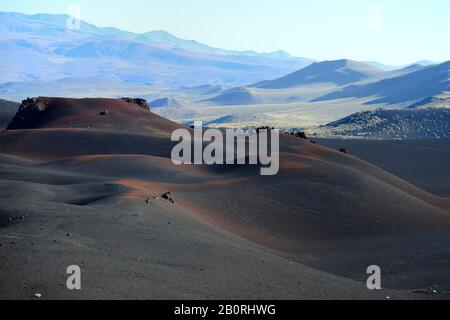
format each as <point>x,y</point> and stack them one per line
<point>319,197</point>
<point>124,116</point>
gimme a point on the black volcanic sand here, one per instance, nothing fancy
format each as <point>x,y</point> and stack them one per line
<point>78,189</point>
<point>425,163</point>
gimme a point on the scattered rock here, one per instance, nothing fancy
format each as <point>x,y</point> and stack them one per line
<point>105,113</point>
<point>430,290</point>
<point>69,234</point>
<point>382,124</point>
<point>343,150</point>
<point>167,196</point>
<point>38,295</point>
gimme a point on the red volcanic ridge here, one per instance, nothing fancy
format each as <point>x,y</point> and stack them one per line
<point>125,114</point>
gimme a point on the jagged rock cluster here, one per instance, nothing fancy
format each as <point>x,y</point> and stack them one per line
<point>33,104</point>
<point>140,102</point>
<point>27,110</point>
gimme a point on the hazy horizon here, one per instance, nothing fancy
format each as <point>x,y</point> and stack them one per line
<point>398,33</point>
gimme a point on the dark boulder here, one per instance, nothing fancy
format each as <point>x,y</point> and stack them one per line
<point>167,196</point>
<point>105,113</point>
<point>301,135</point>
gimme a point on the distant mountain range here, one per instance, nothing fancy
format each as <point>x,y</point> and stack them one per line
<point>407,88</point>
<point>41,47</point>
<point>235,96</point>
<point>185,80</point>
<point>344,79</point>
<point>339,72</point>
<point>167,102</point>
<point>70,87</point>
<point>385,67</point>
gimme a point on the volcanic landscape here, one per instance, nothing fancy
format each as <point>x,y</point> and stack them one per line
<point>90,182</point>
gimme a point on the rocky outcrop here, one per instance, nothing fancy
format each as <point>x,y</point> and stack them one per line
<point>140,102</point>
<point>29,108</point>
<point>402,124</point>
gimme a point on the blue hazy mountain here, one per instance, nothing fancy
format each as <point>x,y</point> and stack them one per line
<point>333,80</point>
<point>167,102</point>
<point>385,67</point>
<point>161,37</point>
<point>408,88</point>
<point>338,72</point>
<point>234,96</point>
<point>42,47</point>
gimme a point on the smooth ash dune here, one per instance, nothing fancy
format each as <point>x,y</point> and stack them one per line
<point>86,182</point>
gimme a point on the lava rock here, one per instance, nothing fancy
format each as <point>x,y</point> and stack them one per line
<point>140,102</point>
<point>167,196</point>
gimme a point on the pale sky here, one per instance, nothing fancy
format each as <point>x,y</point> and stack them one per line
<point>396,32</point>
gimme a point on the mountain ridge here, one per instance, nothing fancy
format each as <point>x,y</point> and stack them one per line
<point>42,47</point>
<point>408,88</point>
<point>161,37</point>
<point>339,72</point>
